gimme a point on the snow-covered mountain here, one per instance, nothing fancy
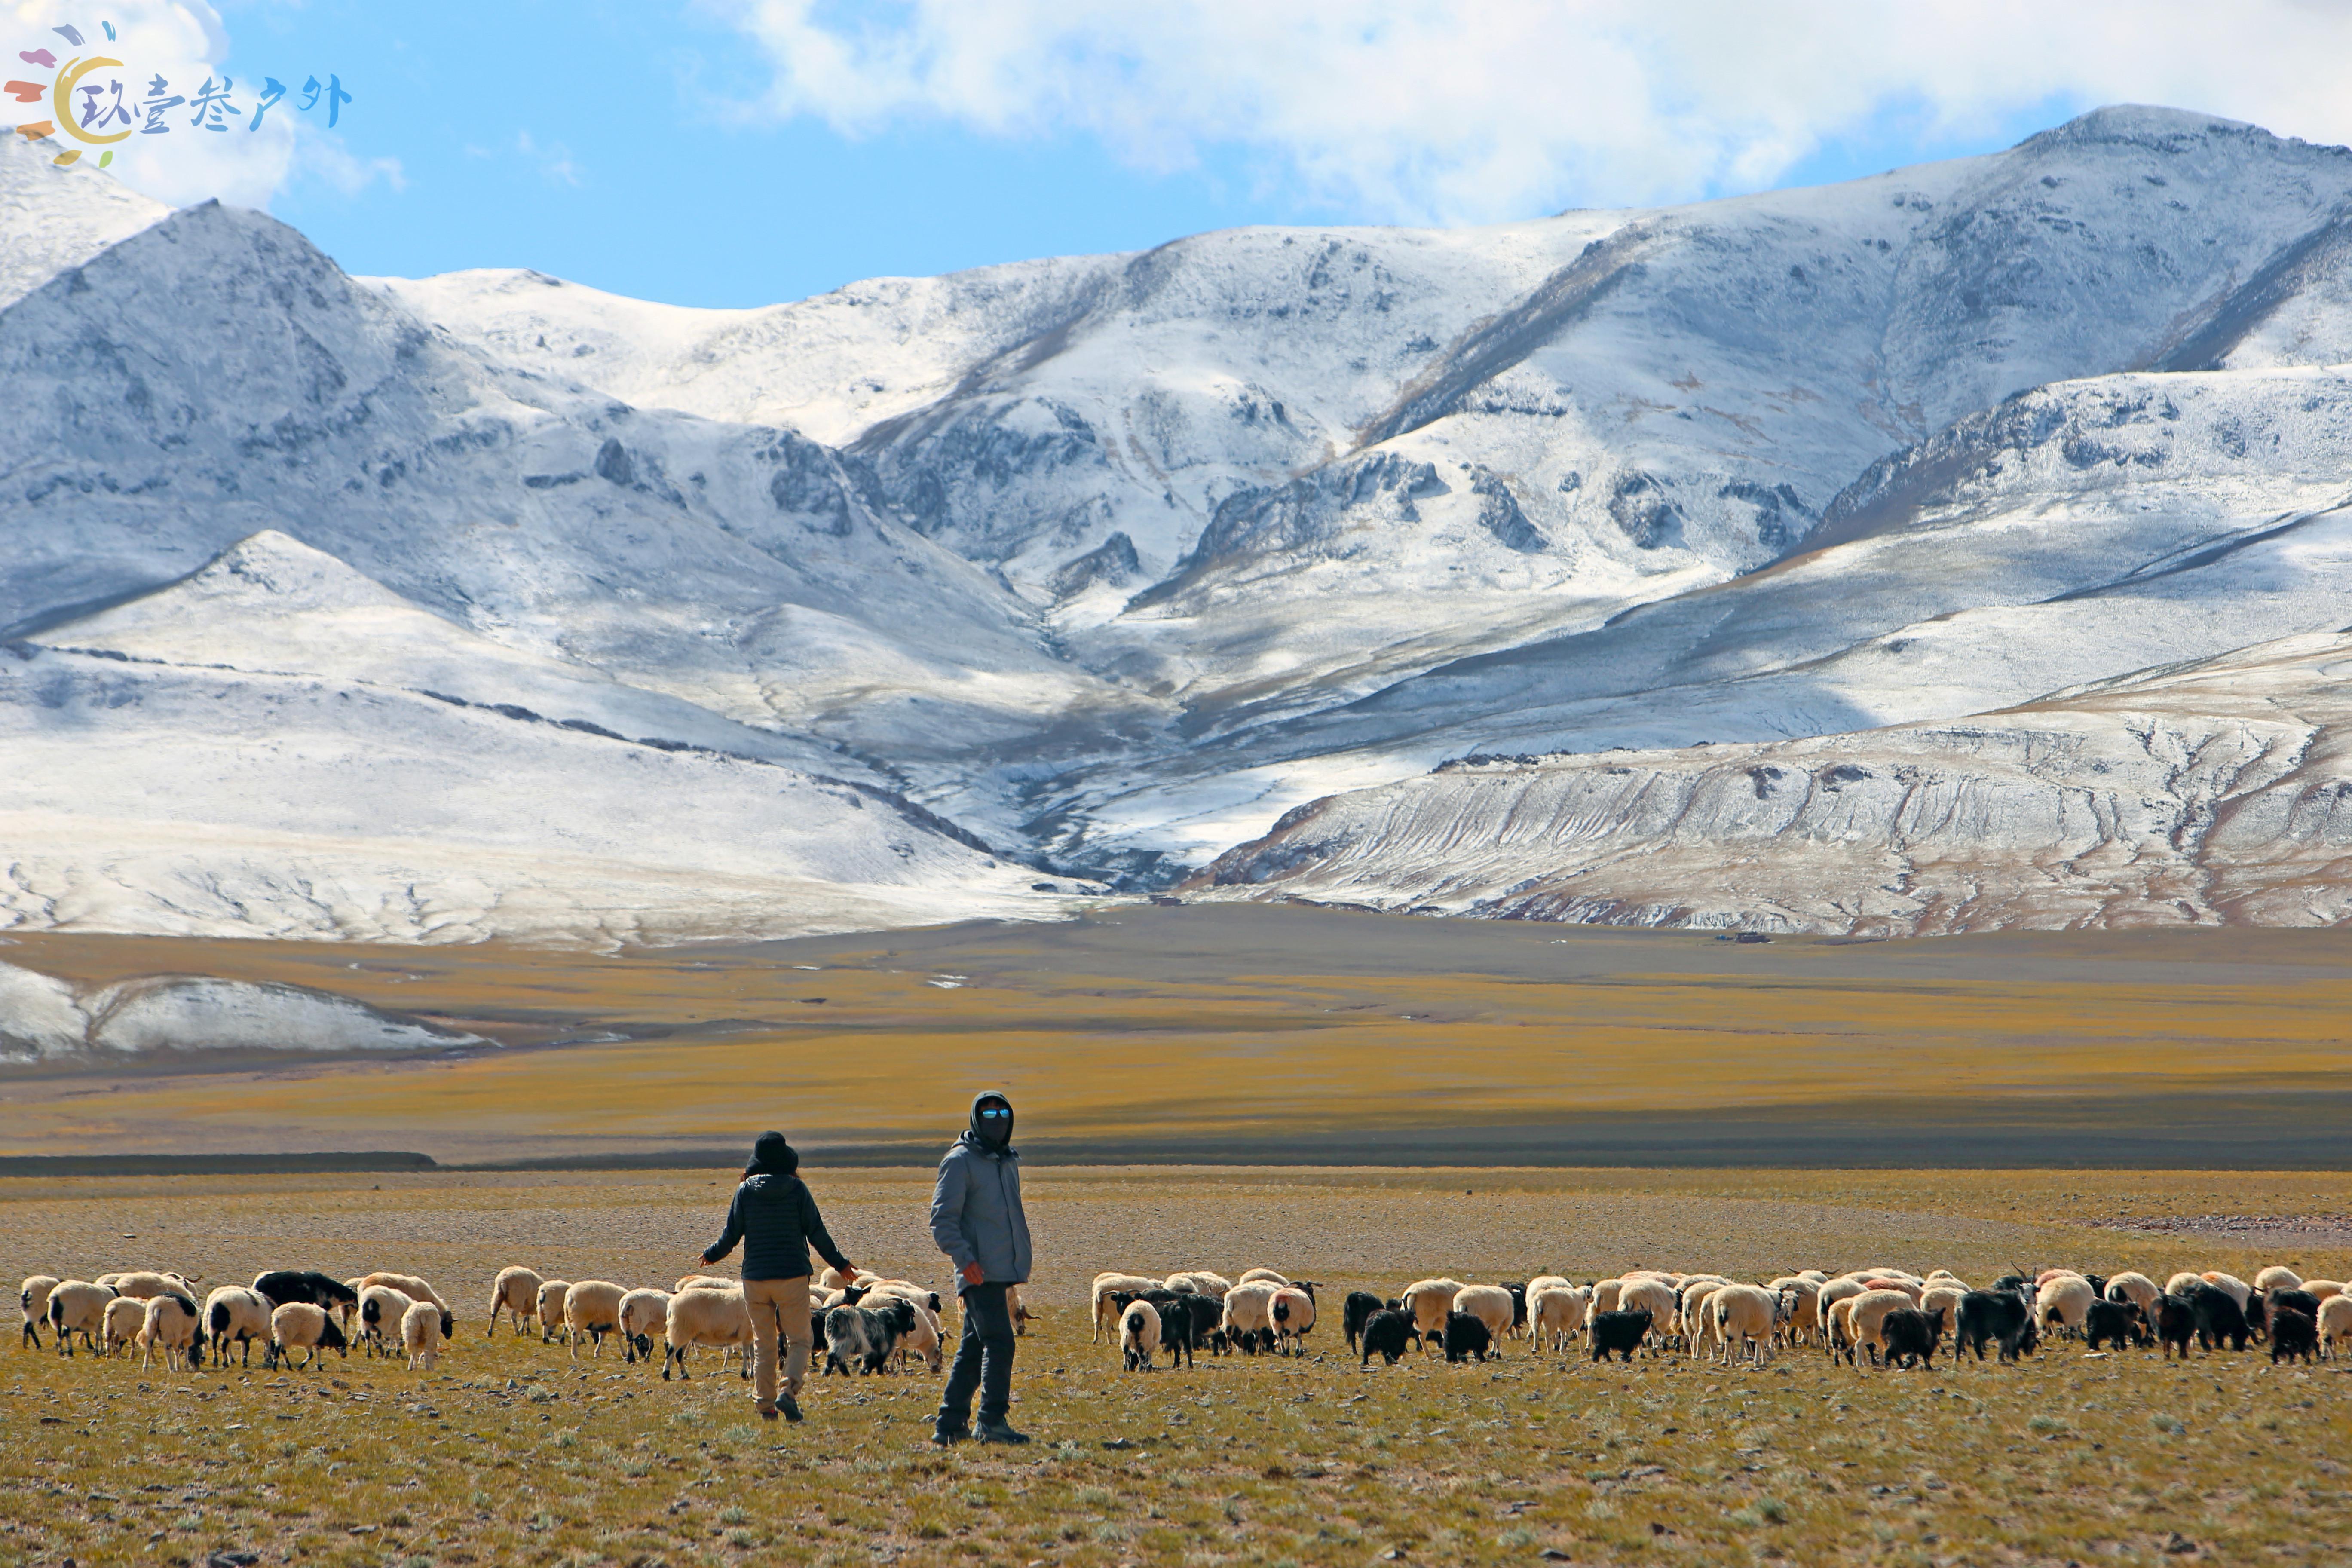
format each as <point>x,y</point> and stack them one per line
<point>2219,791</point>
<point>1111,561</point>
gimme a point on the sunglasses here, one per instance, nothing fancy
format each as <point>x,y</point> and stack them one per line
<point>994,1113</point>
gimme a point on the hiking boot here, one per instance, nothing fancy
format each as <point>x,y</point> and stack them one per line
<point>948,1436</point>
<point>767,1412</point>
<point>790,1407</point>
<point>1000,1431</point>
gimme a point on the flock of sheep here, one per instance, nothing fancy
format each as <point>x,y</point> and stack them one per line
<point>869,1324</point>
<point>1892,1317</point>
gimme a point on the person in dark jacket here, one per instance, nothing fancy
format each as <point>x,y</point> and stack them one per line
<point>776,1220</point>
<point>977,1221</point>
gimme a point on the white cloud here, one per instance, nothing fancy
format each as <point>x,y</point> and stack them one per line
<point>184,42</point>
<point>1466,109</point>
<point>552,160</point>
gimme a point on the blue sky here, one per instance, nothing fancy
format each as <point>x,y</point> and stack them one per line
<point>711,151</point>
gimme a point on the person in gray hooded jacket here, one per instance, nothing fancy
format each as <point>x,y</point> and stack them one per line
<point>976,1219</point>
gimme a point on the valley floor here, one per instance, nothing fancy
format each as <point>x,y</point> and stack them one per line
<point>511,1453</point>
<point>1264,1035</point>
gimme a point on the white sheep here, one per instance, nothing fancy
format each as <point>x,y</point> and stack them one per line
<point>381,1310</point>
<point>174,1325</point>
<point>1491,1305</point>
<point>2277,1278</point>
<point>125,1316</point>
<point>1697,1326</point>
<point>2335,1323</point>
<point>516,1293</point>
<point>1654,1297</point>
<point>1557,1311</point>
<point>550,1308</point>
<point>79,1307</point>
<point>33,1301</point>
<point>1293,1312</point>
<point>408,1285</point>
<point>706,1317</point>
<point>1743,1316</point>
<point>146,1284</point>
<point>2180,1283</point>
<point>2064,1301</point>
<point>1831,1294</point>
<point>420,1335</point>
<point>300,1326</point>
<point>240,1314</point>
<point>1261,1276</point>
<point>1248,1320</point>
<point>1201,1283</point>
<point>1866,1318</point>
<point>1604,1295</point>
<point>2323,1288</point>
<point>922,1339</point>
<point>643,1314</point>
<point>2239,1290</point>
<point>1428,1302</point>
<point>1945,1299</point>
<point>1106,1311</point>
<point>1139,1336</point>
<point>1804,1319</point>
<point>592,1308</point>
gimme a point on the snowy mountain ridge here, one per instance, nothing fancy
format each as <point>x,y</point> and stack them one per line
<point>1111,561</point>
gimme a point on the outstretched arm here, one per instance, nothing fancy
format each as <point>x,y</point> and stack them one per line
<point>812,1227</point>
<point>731,1235</point>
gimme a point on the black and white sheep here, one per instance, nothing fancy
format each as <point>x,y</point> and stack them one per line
<point>300,1326</point>
<point>861,1337</point>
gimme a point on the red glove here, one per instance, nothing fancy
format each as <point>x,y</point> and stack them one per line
<point>972,1273</point>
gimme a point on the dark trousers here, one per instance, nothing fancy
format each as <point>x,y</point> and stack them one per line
<point>984,1358</point>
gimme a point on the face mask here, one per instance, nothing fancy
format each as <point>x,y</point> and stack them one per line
<point>995,1125</point>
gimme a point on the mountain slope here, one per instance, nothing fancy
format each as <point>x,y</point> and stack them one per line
<point>163,778</point>
<point>2218,791</point>
<point>55,219</point>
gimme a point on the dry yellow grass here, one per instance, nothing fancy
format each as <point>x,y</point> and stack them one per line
<point>511,1454</point>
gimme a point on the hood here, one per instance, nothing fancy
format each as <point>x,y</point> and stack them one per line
<point>994,1142</point>
<point>771,1156</point>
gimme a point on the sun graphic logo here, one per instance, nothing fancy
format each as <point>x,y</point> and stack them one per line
<point>91,103</point>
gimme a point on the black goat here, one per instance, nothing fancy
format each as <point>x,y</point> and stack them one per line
<point>2176,1324</point>
<point>2218,1318</point>
<point>2004,1316</point>
<point>1619,1331</point>
<point>1178,1328</point>
<point>280,1286</point>
<point>1386,1333</point>
<point>1466,1336</point>
<point>1356,1311</point>
<point>2294,1333</point>
<point>2117,1322</point>
<point>1909,1337</point>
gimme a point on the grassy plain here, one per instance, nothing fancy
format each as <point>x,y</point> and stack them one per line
<point>509,1452</point>
<point>1255,1033</point>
